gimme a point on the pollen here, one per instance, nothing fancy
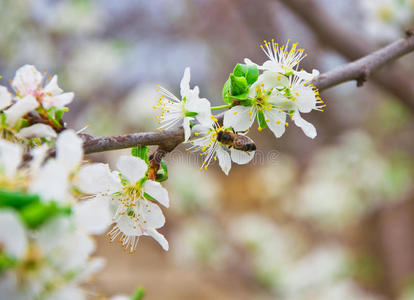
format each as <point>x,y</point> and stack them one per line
<point>235,113</point>
<point>278,122</point>
<point>250,112</point>
<point>196,134</point>
<point>259,128</point>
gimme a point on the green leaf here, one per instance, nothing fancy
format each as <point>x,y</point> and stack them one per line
<point>139,293</point>
<point>17,200</point>
<point>241,96</point>
<point>240,70</point>
<point>36,214</point>
<point>238,85</point>
<point>59,114</point>
<point>261,119</point>
<point>163,172</point>
<point>252,74</point>
<point>141,152</point>
<point>6,262</point>
<point>226,91</point>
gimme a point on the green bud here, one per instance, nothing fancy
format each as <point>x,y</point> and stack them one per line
<point>238,85</point>
<point>139,293</point>
<point>162,174</point>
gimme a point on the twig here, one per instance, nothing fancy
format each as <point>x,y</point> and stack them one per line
<point>362,68</point>
<point>395,80</point>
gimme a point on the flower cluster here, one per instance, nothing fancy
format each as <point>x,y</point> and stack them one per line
<point>35,110</point>
<point>271,93</point>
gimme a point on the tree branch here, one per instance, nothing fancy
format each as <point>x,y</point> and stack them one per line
<point>395,80</point>
<point>358,70</point>
<point>362,68</point>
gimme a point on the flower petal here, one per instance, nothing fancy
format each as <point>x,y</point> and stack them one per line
<point>38,156</point>
<point>10,157</point>
<point>5,97</point>
<point>240,118</point>
<point>241,157</point>
<point>128,226</point>
<point>185,82</point>
<point>93,215</point>
<point>155,190</point>
<point>306,98</point>
<point>151,215</point>
<point>69,150</point>
<point>133,168</point>
<point>224,159</point>
<point>272,80</point>
<point>159,238</point>
<point>277,121</point>
<point>187,129</point>
<point>307,127</point>
<point>37,130</point>
<point>97,178</point>
<point>51,183</point>
<point>52,87</point>
<point>60,101</point>
<point>12,236</point>
<point>26,80</point>
<point>20,108</point>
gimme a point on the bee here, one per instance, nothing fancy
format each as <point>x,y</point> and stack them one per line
<point>235,140</point>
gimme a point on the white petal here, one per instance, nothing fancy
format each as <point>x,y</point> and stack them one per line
<point>97,178</point>
<point>250,63</point>
<point>52,87</point>
<point>62,100</point>
<point>272,80</point>
<point>5,97</point>
<point>152,214</point>
<point>241,157</point>
<point>202,108</point>
<point>277,121</point>
<point>10,157</point>
<point>273,66</point>
<point>93,215</point>
<point>307,127</point>
<point>156,191</point>
<point>305,76</point>
<point>67,292</point>
<point>12,236</point>
<point>38,156</point>
<point>20,108</point>
<point>128,226</point>
<point>187,129</point>
<point>120,297</point>
<point>185,82</point>
<point>37,130</point>
<point>69,150</point>
<point>306,100</point>
<point>26,80</point>
<point>133,168</point>
<point>224,159</point>
<point>51,183</point>
<point>239,117</point>
<point>159,238</point>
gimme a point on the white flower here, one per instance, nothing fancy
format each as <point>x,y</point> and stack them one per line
<point>277,96</point>
<point>13,240</point>
<point>5,97</point>
<point>176,112</point>
<point>212,149</point>
<point>283,60</point>
<point>37,130</point>
<point>10,157</point>
<point>28,81</point>
<point>20,108</point>
<point>133,213</point>
<point>51,181</point>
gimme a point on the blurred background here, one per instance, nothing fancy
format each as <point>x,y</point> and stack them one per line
<point>330,218</point>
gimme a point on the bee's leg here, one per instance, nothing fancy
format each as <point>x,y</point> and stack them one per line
<point>242,132</point>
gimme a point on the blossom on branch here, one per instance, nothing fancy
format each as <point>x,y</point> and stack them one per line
<point>176,112</point>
